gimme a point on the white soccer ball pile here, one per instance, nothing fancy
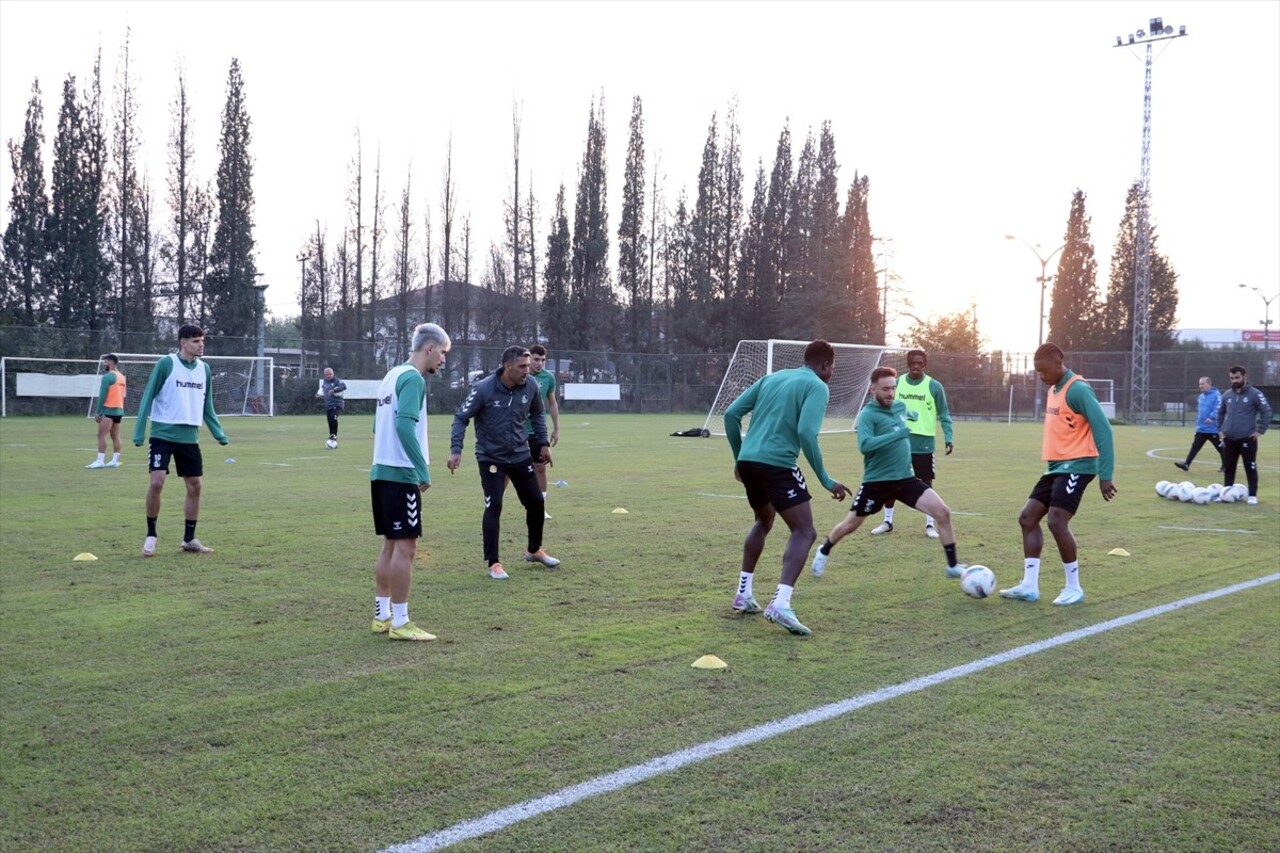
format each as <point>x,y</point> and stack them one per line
<point>978,582</point>
<point>1188,492</point>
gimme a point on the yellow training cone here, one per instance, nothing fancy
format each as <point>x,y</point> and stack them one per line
<point>709,662</point>
<point>83,557</point>
<point>619,511</point>
<point>1118,552</point>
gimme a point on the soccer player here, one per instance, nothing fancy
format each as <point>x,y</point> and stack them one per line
<point>398,478</point>
<point>884,441</point>
<point>1077,447</point>
<point>786,411</point>
<point>547,384</point>
<point>924,395</point>
<point>501,404</point>
<point>1206,424</point>
<point>178,396</point>
<point>332,389</point>
<point>110,411</point>
<point>1243,415</point>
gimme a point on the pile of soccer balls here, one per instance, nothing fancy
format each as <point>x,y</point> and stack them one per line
<point>1189,492</point>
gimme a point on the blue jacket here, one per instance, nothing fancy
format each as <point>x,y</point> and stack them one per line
<point>1207,416</point>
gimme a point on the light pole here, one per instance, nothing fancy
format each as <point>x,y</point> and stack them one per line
<point>1266,329</point>
<point>1043,279</point>
<point>262,334</point>
<point>884,290</point>
<point>302,317</point>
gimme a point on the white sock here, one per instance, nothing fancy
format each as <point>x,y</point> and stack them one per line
<point>744,583</point>
<point>544,497</point>
<point>382,607</point>
<point>115,457</point>
<point>399,614</point>
<point>1031,572</point>
<point>102,457</point>
<point>1072,570</point>
<point>782,597</point>
<point>928,521</point>
<point>888,514</point>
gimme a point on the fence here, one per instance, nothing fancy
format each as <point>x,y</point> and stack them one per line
<point>995,386</point>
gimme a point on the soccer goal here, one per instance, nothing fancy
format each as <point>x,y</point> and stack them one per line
<point>242,385</point>
<point>852,375</point>
<point>1105,391</point>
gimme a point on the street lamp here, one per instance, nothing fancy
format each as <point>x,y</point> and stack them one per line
<point>1266,328</point>
<point>885,253</point>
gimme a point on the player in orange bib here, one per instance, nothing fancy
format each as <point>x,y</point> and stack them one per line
<point>109,411</point>
<point>1077,447</point>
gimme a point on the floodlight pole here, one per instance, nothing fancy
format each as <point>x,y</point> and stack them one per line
<point>1140,375</point>
<point>1266,329</point>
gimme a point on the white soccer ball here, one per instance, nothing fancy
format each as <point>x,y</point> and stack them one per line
<point>1227,496</point>
<point>1201,496</point>
<point>1186,491</point>
<point>1241,491</point>
<point>1162,487</point>
<point>332,444</point>
<point>978,581</point>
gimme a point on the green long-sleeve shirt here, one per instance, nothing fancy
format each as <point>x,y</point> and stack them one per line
<point>108,379</point>
<point>786,411</point>
<point>177,433</point>
<point>884,442</point>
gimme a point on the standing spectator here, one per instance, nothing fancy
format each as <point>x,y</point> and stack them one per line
<point>786,409</point>
<point>178,396</point>
<point>109,412</point>
<point>547,384</point>
<point>923,395</point>
<point>398,478</point>
<point>1077,447</point>
<point>1206,424</point>
<point>332,388</point>
<point>501,404</point>
<point>1243,416</point>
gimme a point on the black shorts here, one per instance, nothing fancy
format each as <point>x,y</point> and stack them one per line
<point>1061,490</point>
<point>535,450</point>
<point>773,484</point>
<point>397,509</point>
<point>186,458</point>
<point>872,496</point>
<point>923,466</point>
<point>115,419</point>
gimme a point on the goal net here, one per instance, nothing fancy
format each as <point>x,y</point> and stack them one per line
<point>242,385</point>
<point>849,381</point>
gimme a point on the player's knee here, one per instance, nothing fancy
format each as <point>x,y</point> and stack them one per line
<point>194,485</point>
<point>1028,520</point>
<point>1059,523</point>
<point>942,513</point>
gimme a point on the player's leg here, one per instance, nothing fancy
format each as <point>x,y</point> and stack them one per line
<point>115,443</point>
<point>932,504</point>
<point>382,566</point>
<point>331,415</point>
<point>1249,455</point>
<point>753,545</point>
<point>493,482</point>
<point>799,521</point>
<point>1222,453</point>
<point>190,465</point>
<point>525,481</point>
<point>401,505</point>
<point>1230,456</point>
<point>1037,506</point>
<point>158,469</point>
<point>869,498</point>
<point>885,526</point>
<point>1196,443</point>
<point>1068,490</point>
<point>925,468</point>
<point>540,468</point>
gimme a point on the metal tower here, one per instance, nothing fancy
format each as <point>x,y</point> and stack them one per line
<point>1140,375</point>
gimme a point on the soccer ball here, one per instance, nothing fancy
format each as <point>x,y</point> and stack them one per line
<point>1162,487</point>
<point>332,444</point>
<point>1241,491</point>
<point>978,581</point>
<point>1227,496</point>
<point>1186,491</point>
<point>1201,496</point>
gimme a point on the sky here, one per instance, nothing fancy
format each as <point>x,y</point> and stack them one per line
<point>973,120</point>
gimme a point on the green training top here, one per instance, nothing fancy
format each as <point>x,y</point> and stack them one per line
<point>883,441</point>
<point>1080,398</point>
<point>177,433</point>
<point>546,386</point>
<point>928,400</point>
<point>786,411</point>
<point>108,379</point>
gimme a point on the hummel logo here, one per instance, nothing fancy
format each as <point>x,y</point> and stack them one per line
<point>486,501</point>
<point>791,493</point>
<point>395,525</point>
<point>1072,481</point>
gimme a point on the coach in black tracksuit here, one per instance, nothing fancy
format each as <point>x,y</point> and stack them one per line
<point>501,404</point>
<point>1243,416</point>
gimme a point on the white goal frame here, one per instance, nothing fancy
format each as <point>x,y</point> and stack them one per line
<point>849,383</point>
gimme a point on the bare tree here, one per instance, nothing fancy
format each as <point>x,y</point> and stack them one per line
<point>376,240</point>
<point>181,155</point>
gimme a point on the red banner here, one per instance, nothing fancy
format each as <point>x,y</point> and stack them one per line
<point>1259,336</point>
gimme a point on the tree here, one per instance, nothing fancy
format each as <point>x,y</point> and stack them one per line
<point>135,308</point>
<point>406,269</point>
<point>1117,313</point>
<point>632,253</point>
<point>589,271</point>
<point>950,333</point>
<point>1073,315</point>
<point>752,291</point>
<point>704,293</point>
<point>95,267</point>
<point>555,288</point>
<point>448,209</point>
<point>233,272</point>
<point>860,296</point>
<point>800,275</point>
<point>182,192</point>
<point>773,272</point>
<point>376,239</point>
<point>24,250</point>
<point>730,211</point>
<point>63,227</point>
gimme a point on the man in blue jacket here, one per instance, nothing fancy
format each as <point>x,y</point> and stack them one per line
<point>1206,423</point>
<point>500,404</point>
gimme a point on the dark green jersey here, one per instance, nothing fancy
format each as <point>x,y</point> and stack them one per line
<point>786,411</point>
<point>884,441</point>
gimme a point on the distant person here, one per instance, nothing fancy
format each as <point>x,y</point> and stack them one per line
<point>1243,416</point>
<point>547,385</point>
<point>501,404</point>
<point>924,395</point>
<point>398,478</point>
<point>884,439</point>
<point>1206,424</point>
<point>332,389</point>
<point>1077,447</point>
<point>178,396</point>
<point>110,410</point>
<point>786,408</point>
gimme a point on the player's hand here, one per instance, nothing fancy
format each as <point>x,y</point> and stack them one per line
<point>546,455</point>
<point>224,441</point>
<point>839,491</point>
<point>97,419</point>
<point>950,447</point>
<point>555,437</point>
<point>1108,489</point>
<point>454,460</point>
<point>422,487</point>
<point>736,475</point>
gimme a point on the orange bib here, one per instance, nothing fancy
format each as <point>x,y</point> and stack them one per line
<point>115,393</point>
<point>1067,434</point>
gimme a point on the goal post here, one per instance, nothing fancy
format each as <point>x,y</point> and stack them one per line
<point>849,381</point>
<point>242,385</point>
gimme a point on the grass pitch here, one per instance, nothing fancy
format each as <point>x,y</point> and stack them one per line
<point>237,701</point>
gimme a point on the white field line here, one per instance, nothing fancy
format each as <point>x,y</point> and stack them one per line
<point>1178,455</point>
<point>502,818</point>
<point>1206,529</point>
